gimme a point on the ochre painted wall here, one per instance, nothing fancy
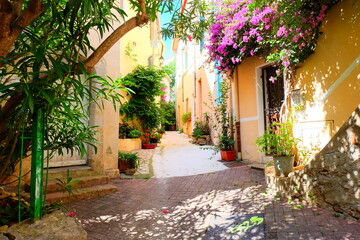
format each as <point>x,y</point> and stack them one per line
<point>330,78</point>
<point>246,107</point>
<point>185,98</point>
<point>203,90</point>
<point>184,101</point>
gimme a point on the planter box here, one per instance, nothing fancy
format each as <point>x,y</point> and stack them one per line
<point>129,144</point>
<point>149,145</point>
<point>228,155</point>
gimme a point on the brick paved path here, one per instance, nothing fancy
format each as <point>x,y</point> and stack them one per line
<point>205,206</point>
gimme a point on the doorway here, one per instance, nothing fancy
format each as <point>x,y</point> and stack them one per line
<point>273,95</point>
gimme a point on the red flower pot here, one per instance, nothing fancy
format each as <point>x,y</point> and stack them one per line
<point>228,155</point>
<point>172,128</point>
<point>149,145</point>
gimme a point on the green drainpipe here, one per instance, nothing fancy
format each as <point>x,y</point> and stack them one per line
<point>37,164</point>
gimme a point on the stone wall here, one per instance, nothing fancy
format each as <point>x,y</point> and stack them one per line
<point>332,179</point>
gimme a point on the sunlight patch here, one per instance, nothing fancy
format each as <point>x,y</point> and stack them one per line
<point>248,226</point>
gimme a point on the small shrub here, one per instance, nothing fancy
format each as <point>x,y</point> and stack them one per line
<point>124,130</point>
<point>131,158</point>
<point>161,130</point>
<point>197,133</point>
<point>135,133</point>
<point>201,128</point>
<point>67,185</point>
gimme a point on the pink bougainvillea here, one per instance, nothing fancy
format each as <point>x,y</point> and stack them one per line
<point>282,31</point>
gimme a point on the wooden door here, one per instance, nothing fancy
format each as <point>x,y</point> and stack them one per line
<point>273,95</point>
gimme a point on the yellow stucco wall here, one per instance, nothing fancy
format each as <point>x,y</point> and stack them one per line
<point>202,94</point>
<point>246,107</point>
<point>184,101</point>
<point>144,42</point>
<point>185,97</point>
<point>330,78</point>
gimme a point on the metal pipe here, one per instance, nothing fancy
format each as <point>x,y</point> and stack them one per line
<point>37,164</point>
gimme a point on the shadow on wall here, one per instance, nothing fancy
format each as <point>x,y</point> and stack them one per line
<point>331,76</point>
<point>332,179</point>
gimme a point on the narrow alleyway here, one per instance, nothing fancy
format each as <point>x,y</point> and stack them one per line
<point>178,157</point>
<point>228,202</point>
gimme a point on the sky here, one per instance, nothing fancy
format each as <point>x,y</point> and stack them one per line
<point>165,18</point>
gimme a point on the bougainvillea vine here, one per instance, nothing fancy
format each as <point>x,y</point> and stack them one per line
<point>284,32</point>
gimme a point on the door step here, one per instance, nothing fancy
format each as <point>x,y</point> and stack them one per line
<point>88,184</point>
<point>81,193</point>
<point>75,171</point>
<point>82,182</point>
<point>257,166</point>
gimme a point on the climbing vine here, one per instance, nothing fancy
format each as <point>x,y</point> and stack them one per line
<point>282,31</point>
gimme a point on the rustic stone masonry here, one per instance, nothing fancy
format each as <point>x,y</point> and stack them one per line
<point>203,140</point>
<point>332,179</point>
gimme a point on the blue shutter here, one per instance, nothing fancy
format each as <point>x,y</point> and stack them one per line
<point>218,80</point>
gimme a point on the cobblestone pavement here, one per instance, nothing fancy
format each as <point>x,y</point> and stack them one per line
<point>227,204</point>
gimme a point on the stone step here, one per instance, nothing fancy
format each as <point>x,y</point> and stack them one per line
<point>75,171</point>
<point>88,184</point>
<point>257,166</point>
<point>81,193</point>
<point>82,182</point>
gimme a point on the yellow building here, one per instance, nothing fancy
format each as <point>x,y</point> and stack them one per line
<point>323,93</point>
<point>194,83</point>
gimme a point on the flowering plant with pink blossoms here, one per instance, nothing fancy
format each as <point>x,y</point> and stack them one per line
<point>282,31</point>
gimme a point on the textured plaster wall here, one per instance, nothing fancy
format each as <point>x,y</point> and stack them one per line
<point>105,159</point>
<point>332,179</point>
<point>330,78</point>
<point>247,108</point>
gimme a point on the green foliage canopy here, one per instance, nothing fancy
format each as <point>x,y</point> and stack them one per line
<point>146,82</point>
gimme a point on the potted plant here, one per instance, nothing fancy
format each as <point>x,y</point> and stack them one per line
<point>128,162</point>
<point>221,123</point>
<point>146,142</point>
<point>226,146</point>
<point>161,131</point>
<point>168,115</point>
<point>155,138</point>
<point>201,133</point>
<point>278,141</point>
<point>186,117</point>
<point>142,107</point>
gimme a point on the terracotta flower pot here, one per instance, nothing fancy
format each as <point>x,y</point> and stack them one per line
<point>172,128</point>
<point>228,155</point>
